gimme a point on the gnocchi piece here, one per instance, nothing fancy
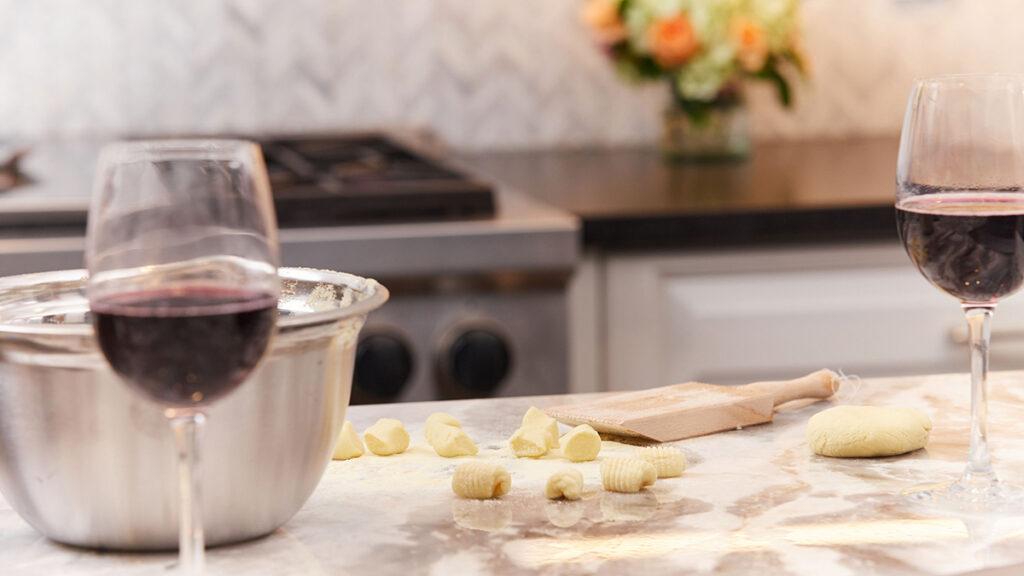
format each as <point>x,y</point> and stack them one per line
<point>348,445</point>
<point>481,480</point>
<point>566,483</point>
<point>668,461</point>
<point>529,442</point>
<point>627,474</point>
<point>581,444</point>
<point>445,435</point>
<point>439,419</point>
<point>387,436</point>
<point>450,441</point>
<point>537,418</point>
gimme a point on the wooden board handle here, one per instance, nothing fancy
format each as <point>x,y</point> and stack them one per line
<point>821,384</point>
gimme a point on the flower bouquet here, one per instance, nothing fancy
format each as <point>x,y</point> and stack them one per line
<point>705,49</point>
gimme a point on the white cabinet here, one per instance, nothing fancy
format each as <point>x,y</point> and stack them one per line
<point>732,317</point>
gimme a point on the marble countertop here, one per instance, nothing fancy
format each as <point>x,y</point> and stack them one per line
<point>754,501</point>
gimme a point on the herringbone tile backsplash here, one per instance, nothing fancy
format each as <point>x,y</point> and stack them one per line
<point>480,73</point>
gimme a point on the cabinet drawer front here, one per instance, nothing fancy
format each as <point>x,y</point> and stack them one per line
<point>757,325</point>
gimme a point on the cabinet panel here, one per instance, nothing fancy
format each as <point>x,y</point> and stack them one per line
<point>738,317</point>
<point>756,325</point>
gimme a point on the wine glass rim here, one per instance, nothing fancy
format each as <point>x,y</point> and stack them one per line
<point>973,79</point>
<point>177,149</point>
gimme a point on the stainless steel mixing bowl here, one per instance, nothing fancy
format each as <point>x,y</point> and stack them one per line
<point>87,461</point>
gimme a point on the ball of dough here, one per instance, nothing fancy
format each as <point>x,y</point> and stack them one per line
<point>387,436</point>
<point>581,444</point>
<point>668,461</point>
<point>481,480</point>
<point>627,474</point>
<point>867,431</point>
<point>348,444</point>
<point>529,442</point>
<point>537,418</point>
<point>566,483</point>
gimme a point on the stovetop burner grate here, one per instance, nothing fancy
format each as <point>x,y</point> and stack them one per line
<point>364,179</point>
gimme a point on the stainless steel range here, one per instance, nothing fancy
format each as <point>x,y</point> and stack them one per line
<point>477,272</point>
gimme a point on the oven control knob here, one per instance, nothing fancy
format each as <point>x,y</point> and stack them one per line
<point>383,367</point>
<point>476,362</point>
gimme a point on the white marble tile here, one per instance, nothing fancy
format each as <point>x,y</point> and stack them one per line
<point>482,74</point>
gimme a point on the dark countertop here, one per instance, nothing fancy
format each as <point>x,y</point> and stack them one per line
<point>632,199</point>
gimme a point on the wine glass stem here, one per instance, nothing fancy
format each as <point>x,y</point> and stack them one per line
<point>191,552</point>
<point>979,465</point>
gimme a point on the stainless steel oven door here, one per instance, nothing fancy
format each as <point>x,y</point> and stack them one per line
<point>466,337</point>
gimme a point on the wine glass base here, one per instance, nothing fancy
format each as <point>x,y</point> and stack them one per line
<point>968,497</point>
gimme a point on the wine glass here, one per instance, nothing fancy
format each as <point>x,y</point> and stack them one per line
<point>182,256</point>
<point>960,213</point>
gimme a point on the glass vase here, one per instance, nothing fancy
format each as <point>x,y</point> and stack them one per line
<point>715,131</point>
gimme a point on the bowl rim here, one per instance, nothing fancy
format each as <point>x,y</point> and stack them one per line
<point>375,295</point>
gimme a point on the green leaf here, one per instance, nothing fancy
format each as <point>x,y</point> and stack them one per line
<point>796,60</point>
<point>771,73</point>
<point>633,65</point>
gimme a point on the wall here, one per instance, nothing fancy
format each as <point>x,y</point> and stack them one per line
<point>482,73</point>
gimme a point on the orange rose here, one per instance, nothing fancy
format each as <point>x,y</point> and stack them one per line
<point>751,44</point>
<point>672,41</point>
<point>603,17</point>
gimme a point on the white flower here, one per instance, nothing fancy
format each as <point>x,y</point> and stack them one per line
<point>778,18</point>
<point>707,73</point>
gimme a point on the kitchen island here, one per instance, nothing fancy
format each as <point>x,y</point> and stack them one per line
<point>753,501</point>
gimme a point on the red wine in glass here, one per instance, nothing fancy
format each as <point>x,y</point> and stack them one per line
<point>185,346</point>
<point>968,243</point>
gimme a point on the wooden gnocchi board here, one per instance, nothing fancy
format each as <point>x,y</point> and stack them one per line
<point>693,409</point>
